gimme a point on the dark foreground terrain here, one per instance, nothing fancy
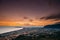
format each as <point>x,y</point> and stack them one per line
<point>49,32</point>
<point>41,36</point>
<point>34,34</point>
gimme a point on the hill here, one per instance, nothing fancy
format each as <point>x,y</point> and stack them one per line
<point>56,25</point>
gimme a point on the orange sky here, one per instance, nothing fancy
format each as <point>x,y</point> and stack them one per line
<point>29,12</point>
<point>28,23</point>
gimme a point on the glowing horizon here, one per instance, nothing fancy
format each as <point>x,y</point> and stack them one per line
<point>28,23</point>
<point>29,12</point>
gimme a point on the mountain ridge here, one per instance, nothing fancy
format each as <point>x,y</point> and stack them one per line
<point>56,25</point>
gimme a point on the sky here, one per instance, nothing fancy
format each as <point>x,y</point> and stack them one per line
<point>29,12</point>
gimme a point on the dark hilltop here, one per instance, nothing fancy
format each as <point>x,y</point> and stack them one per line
<point>56,25</point>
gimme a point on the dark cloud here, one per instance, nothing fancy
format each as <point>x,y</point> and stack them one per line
<point>25,17</point>
<point>57,23</point>
<point>31,20</point>
<point>55,17</point>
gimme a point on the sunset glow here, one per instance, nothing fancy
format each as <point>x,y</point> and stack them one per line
<point>27,23</point>
<point>29,13</point>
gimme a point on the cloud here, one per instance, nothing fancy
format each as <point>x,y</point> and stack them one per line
<point>25,17</point>
<point>55,17</point>
<point>57,23</point>
<point>30,20</point>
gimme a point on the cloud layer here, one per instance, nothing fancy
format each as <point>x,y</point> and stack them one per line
<point>55,17</point>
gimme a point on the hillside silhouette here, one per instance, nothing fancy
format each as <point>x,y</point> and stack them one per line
<point>56,25</point>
